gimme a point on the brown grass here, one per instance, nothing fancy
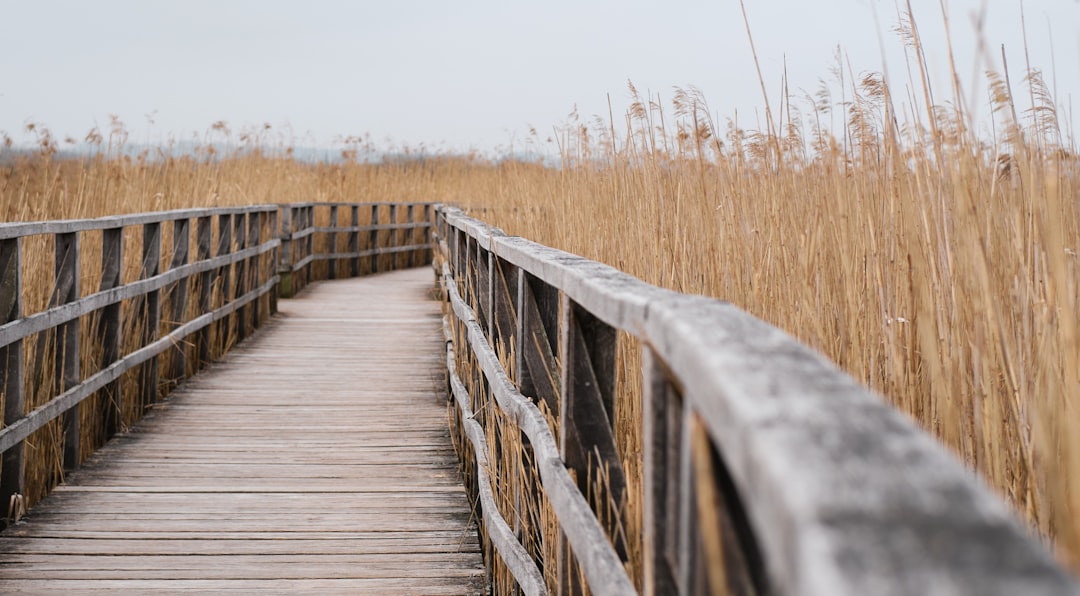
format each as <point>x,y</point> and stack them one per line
<point>937,266</point>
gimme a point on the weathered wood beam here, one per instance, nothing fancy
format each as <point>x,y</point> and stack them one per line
<point>13,471</point>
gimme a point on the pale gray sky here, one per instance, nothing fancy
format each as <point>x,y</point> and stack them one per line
<point>468,73</point>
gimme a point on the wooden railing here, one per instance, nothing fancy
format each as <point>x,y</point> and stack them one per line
<point>766,469</point>
<point>377,237</point>
<point>155,314</point>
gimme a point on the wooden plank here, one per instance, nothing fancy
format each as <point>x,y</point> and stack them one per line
<point>323,482</point>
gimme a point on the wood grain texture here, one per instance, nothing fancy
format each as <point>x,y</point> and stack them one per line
<point>314,457</point>
<point>841,493</point>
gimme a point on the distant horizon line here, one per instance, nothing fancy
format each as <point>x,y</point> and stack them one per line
<point>226,149</point>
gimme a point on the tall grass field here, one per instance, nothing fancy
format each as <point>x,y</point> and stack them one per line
<point>936,264</point>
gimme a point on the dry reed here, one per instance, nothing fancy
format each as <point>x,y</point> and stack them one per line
<point>937,266</point>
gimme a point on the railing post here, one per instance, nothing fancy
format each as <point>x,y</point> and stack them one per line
<point>254,219</point>
<point>204,232</point>
<point>309,243</point>
<point>109,327</point>
<point>331,240</point>
<point>409,215</point>
<point>150,318</point>
<point>240,285</point>
<point>373,239</point>
<point>662,415</point>
<point>587,351</point>
<point>468,275</point>
<point>13,478</point>
<point>65,290</point>
<point>178,298</point>
<point>505,333</point>
<point>224,277</point>
<point>483,289</point>
<point>285,256</point>
<point>275,260</point>
<point>430,251</point>
<point>354,240</point>
<point>392,236</point>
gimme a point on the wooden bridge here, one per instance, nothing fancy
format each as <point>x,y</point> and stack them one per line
<point>449,410</point>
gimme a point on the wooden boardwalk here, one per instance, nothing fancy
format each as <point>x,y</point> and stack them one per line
<point>315,457</point>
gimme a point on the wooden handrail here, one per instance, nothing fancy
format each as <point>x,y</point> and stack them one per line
<point>224,294</point>
<point>767,469</point>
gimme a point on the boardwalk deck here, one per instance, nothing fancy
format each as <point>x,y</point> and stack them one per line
<point>316,457</point>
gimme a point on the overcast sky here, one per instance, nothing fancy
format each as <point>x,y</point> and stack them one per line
<point>466,73</point>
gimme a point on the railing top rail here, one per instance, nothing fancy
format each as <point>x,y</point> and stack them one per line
<point>358,204</point>
<point>64,226</point>
<point>845,494</point>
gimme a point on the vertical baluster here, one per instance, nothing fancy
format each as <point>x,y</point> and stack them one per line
<point>373,239</point>
<point>178,298</point>
<point>309,242</point>
<point>505,333</point>
<point>240,282</point>
<point>483,289</point>
<point>461,261</point>
<point>392,236</point>
<point>410,259</point>
<point>150,319</point>
<point>285,253</point>
<point>468,272</point>
<point>253,235</point>
<point>299,251</point>
<point>429,252</point>
<point>224,277</point>
<point>66,355</point>
<point>13,478</point>
<point>587,351</point>
<point>204,232</point>
<point>274,264</point>
<point>109,326</point>
<point>687,568</point>
<point>354,241</point>
<point>331,240</point>
<point>661,407</point>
